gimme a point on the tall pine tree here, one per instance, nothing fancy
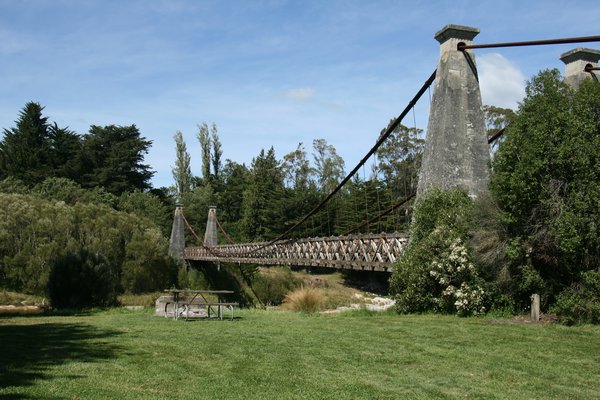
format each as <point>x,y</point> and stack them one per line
<point>25,149</point>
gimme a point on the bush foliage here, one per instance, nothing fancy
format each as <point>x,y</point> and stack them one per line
<point>272,285</point>
<point>35,234</point>
<point>580,303</point>
<point>546,179</point>
<point>436,271</point>
<point>82,279</point>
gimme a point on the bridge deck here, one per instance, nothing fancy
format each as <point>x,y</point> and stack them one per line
<point>358,252</point>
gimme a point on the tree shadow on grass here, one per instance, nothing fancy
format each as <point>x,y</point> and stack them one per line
<point>29,351</point>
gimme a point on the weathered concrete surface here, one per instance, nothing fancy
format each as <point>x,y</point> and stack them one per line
<point>575,62</point>
<point>456,151</point>
<point>210,234</point>
<point>166,302</point>
<point>177,241</point>
<point>160,305</point>
<point>535,307</point>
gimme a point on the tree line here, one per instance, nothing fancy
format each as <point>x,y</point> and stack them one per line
<point>81,222</point>
<point>82,205</point>
<point>74,204</point>
<point>262,200</point>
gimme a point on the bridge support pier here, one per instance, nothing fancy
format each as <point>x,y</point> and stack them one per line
<point>575,62</point>
<point>210,234</point>
<point>456,151</point>
<point>177,241</point>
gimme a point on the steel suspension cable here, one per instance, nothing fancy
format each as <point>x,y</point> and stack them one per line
<point>376,175</point>
<point>365,186</point>
<point>229,239</point>
<point>200,241</point>
<point>383,214</point>
<point>584,39</point>
<point>388,131</point>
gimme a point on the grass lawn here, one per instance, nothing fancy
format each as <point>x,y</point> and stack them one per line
<point>119,354</point>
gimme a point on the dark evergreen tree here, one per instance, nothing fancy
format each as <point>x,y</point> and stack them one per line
<point>262,216</point>
<point>112,157</point>
<point>25,149</point>
<point>65,147</point>
<point>235,179</point>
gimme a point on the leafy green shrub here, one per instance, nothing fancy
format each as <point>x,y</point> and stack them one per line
<point>436,271</point>
<point>452,209</point>
<point>191,278</point>
<point>304,299</point>
<point>580,303</point>
<point>35,232</point>
<point>545,178</point>
<point>147,265</point>
<point>80,280</point>
<point>271,286</point>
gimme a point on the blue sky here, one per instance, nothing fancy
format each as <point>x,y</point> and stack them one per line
<point>268,73</point>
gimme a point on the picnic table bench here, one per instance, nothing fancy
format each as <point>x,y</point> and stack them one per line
<point>191,303</point>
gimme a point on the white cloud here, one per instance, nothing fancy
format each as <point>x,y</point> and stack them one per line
<point>502,83</point>
<point>300,93</point>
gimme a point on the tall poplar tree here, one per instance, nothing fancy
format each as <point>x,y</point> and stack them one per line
<point>217,152</point>
<point>204,139</point>
<point>182,170</point>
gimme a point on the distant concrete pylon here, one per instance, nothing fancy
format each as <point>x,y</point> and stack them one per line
<point>456,151</point>
<point>575,62</point>
<point>177,241</point>
<point>210,235</point>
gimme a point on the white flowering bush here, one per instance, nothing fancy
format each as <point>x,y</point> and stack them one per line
<point>457,278</point>
<point>436,272</point>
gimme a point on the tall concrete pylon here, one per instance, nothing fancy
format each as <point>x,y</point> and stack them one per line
<point>210,234</point>
<point>456,151</point>
<point>177,241</point>
<point>575,62</point>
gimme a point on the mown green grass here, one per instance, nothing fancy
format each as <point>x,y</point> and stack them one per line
<point>276,355</point>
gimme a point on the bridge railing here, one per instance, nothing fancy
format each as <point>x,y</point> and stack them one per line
<point>360,252</point>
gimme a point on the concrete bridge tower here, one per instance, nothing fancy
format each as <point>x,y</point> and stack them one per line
<point>575,62</point>
<point>177,241</point>
<point>456,151</point>
<point>210,234</point>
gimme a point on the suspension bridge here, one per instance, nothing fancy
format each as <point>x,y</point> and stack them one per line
<point>456,155</point>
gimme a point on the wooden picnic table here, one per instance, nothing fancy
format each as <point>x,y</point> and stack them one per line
<point>198,299</point>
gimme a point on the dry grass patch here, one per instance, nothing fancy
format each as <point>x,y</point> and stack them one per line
<point>145,299</point>
<point>332,287</point>
<point>304,299</point>
<point>18,299</point>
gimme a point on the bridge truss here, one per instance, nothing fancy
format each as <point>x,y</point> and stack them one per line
<point>357,252</point>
